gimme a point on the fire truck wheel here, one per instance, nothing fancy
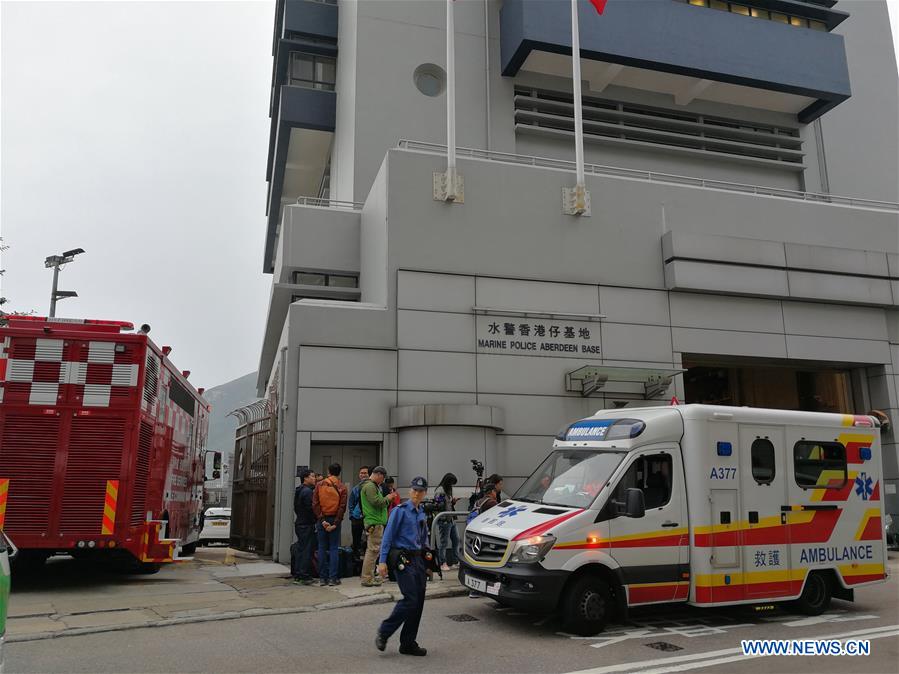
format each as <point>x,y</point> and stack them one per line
<point>587,606</point>
<point>147,568</point>
<point>815,597</point>
<point>29,561</point>
<point>189,549</point>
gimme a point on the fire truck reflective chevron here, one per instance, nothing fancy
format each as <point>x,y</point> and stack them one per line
<point>706,505</point>
<point>4,495</point>
<point>101,441</point>
<point>109,507</point>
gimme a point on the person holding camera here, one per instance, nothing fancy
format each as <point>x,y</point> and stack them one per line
<point>447,536</point>
<point>404,548</point>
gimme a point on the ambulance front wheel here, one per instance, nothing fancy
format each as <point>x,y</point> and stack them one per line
<point>815,597</point>
<point>587,606</point>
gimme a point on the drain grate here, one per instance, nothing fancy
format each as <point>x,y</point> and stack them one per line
<point>664,646</point>
<point>462,618</point>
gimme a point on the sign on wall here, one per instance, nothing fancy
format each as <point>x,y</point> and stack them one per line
<point>538,337</point>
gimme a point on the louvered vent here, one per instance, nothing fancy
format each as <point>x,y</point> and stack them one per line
<point>141,474</point>
<point>151,378</point>
<point>95,456</point>
<point>27,459</point>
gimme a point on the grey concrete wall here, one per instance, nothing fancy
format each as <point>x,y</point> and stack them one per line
<point>861,137</point>
<point>524,233</point>
<point>425,265</point>
<point>317,240</point>
<point>377,39</point>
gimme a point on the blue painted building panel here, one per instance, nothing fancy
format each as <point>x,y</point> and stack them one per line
<point>679,38</point>
<point>309,17</point>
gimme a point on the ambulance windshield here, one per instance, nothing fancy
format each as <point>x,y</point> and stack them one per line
<point>570,477</point>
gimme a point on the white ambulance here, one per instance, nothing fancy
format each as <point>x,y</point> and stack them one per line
<point>700,504</point>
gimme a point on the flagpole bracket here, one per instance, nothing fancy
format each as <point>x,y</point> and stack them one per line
<point>449,186</point>
<point>576,201</point>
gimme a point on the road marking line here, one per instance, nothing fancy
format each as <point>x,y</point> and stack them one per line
<point>736,658</point>
<point>807,622</point>
<point>695,658</point>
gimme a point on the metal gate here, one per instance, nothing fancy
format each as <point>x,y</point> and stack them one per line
<point>253,486</point>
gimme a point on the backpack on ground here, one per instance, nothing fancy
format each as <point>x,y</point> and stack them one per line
<point>328,497</point>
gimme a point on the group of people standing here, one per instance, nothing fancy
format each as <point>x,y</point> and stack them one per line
<point>395,533</point>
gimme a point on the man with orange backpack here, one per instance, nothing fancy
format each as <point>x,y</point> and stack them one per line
<point>329,505</point>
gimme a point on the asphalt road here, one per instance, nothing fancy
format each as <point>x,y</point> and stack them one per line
<point>486,639</point>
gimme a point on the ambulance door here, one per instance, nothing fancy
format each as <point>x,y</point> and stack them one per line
<point>648,548</point>
<point>763,486</point>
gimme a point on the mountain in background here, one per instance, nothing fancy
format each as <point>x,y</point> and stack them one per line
<point>226,398</point>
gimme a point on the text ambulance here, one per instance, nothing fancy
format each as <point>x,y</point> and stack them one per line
<point>699,504</point>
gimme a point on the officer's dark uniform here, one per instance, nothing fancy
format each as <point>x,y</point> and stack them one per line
<point>406,538</point>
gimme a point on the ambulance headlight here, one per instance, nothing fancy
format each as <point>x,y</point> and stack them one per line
<point>532,550</point>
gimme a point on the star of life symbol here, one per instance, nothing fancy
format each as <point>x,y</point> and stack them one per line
<point>864,486</point>
<point>511,512</point>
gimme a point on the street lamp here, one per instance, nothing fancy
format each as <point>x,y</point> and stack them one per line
<point>55,261</point>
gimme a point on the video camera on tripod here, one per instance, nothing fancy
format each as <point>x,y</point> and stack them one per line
<point>478,468</point>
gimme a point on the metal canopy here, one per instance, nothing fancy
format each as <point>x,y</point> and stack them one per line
<point>589,379</point>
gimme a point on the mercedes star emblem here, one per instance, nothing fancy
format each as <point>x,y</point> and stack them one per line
<point>476,545</point>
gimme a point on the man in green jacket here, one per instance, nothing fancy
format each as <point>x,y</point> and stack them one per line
<point>374,514</point>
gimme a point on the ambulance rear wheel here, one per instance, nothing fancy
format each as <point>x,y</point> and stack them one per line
<point>587,606</point>
<point>815,597</point>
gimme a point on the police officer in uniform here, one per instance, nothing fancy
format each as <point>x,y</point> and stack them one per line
<point>404,546</point>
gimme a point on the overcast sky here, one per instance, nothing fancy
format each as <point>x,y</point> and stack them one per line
<point>139,132</point>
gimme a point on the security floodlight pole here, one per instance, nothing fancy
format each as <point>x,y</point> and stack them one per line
<point>55,261</point>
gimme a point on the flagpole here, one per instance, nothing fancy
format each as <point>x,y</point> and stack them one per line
<point>450,101</point>
<point>578,112</point>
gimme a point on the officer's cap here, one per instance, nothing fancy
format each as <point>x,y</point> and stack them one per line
<point>419,484</point>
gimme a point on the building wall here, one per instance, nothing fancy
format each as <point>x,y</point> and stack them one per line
<point>382,43</point>
<point>424,265</point>
<point>861,135</point>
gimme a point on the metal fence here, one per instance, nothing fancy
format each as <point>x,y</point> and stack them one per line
<point>649,176</point>
<point>253,487</point>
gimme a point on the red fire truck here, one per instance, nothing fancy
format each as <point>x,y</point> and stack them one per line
<point>102,443</point>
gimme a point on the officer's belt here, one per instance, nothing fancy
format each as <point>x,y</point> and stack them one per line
<point>409,553</point>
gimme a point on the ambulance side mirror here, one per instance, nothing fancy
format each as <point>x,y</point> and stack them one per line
<point>635,503</point>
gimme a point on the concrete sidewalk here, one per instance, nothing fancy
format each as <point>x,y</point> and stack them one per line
<point>69,598</point>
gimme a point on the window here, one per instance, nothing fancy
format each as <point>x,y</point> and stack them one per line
<point>570,477</point>
<point>652,474</point>
<point>540,111</point>
<point>304,278</point>
<point>763,462</point>
<point>759,13</point>
<point>759,384</point>
<point>340,281</point>
<point>181,397</point>
<point>819,464</point>
<point>312,71</point>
